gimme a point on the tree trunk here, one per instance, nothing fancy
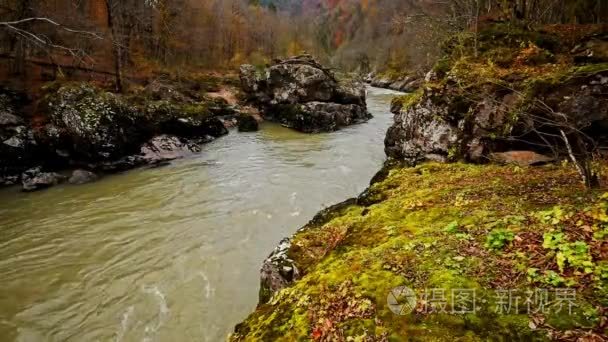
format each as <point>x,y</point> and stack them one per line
<point>18,44</point>
<point>117,46</point>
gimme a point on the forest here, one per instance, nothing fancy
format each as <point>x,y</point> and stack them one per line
<point>138,37</point>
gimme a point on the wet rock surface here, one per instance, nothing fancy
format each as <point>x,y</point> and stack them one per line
<point>278,271</point>
<point>82,177</point>
<point>302,94</point>
<point>35,179</point>
<point>166,147</point>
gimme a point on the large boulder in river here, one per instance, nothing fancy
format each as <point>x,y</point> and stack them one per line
<point>93,125</point>
<point>298,91</point>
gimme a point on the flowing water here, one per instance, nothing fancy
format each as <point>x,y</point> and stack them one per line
<point>172,253</point>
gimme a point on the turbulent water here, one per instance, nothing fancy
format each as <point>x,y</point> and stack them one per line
<point>173,253</point>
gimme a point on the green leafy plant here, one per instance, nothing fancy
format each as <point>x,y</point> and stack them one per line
<point>553,216</point>
<point>498,238</point>
<point>553,240</point>
<point>601,272</point>
<point>452,227</point>
<point>575,254</point>
<point>553,279</point>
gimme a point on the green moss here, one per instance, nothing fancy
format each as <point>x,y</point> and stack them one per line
<point>408,100</point>
<point>426,230</point>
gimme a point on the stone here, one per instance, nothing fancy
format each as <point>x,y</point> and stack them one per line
<point>315,117</point>
<point>34,179</point>
<point>445,125</point>
<point>18,148</point>
<point>418,134</point>
<point>247,123</point>
<point>96,125</point>
<point>278,272</point>
<point>593,50</point>
<point>381,82</point>
<point>520,158</point>
<point>9,119</point>
<point>291,89</point>
<point>165,148</point>
<point>82,177</point>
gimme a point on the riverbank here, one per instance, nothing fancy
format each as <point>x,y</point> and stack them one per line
<point>450,227</point>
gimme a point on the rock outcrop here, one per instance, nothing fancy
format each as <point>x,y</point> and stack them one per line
<point>440,122</point>
<point>81,126</point>
<point>406,84</point>
<point>302,94</point>
<point>97,126</point>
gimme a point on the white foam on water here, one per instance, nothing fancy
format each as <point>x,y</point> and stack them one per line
<point>124,323</point>
<point>163,311</point>
<point>208,288</point>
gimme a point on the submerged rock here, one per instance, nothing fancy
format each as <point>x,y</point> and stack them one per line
<point>291,91</point>
<point>34,179</point>
<point>82,177</point>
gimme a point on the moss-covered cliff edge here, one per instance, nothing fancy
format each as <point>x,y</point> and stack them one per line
<point>449,227</point>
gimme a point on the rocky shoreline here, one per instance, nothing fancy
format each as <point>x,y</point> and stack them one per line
<point>84,128</point>
<point>90,131</point>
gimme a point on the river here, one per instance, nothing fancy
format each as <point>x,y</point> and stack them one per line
<point>172,253</point>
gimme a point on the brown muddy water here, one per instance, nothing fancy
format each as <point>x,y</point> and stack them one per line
<point>173,253</point>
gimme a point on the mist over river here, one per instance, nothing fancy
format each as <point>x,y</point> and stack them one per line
<point>173,253</point>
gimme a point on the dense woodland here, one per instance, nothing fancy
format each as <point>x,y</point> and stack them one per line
<point>137,37</point>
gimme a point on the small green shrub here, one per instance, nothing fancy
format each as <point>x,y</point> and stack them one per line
<point>576,255</point>
<point>498,238</point>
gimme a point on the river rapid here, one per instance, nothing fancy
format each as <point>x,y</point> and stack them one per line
<point>173,253</point>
